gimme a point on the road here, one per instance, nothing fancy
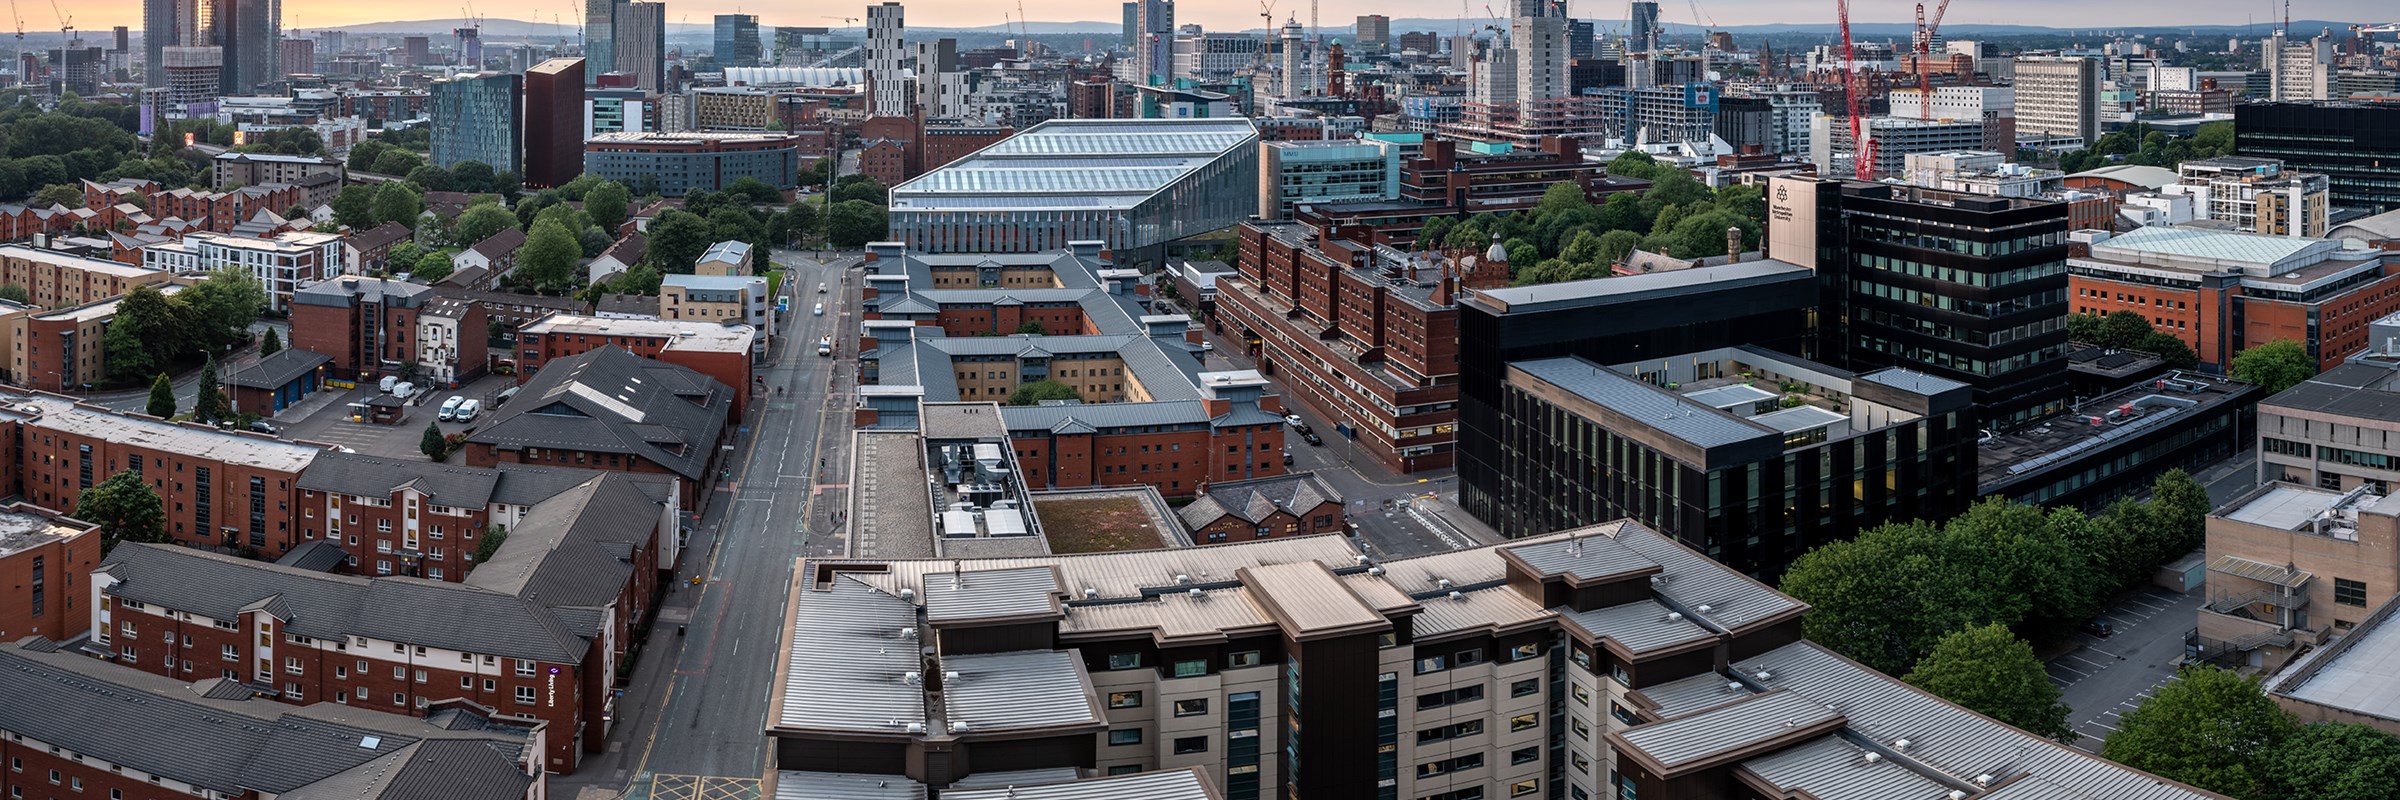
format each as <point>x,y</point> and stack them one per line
<point>694,711</point>
<point>2105,677</point>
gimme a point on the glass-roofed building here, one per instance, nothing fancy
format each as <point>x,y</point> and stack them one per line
<point>1133,183</point>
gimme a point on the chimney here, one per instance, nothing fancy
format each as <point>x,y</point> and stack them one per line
<point>1733,244</point>
<point>1445,293</point>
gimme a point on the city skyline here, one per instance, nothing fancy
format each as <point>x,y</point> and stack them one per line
<point>1236,16</point>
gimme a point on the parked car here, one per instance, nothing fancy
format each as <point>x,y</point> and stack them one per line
<point>468,410</point>
<point>1311,437</point>
<point>1293,419</point>
<point>504,396</point>
<point>2101,627</point>
<point>404,390</point>
<point>389,381</point>
<point>265,427</point>
<point>1287,456</point>
<point>450,408</point>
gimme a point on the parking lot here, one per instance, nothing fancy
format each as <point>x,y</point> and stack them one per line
<point>2102,678</point>
<point>328,421</point>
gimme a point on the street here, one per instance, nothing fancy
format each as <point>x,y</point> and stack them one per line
<point>692,716</point>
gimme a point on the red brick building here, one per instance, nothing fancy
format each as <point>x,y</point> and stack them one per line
<point>425,519</point>
<point>368,325</point>
<point>613,411</point>
<point>888,149</point>
<point>53,279</point>
<point>1474,178</point>
<point>221,211</point>
<point>723,352</point>
<point>1299,504</point>
<point>2222,292</point>
<point>218,488</point>
<point>949,140</point>
<point>46,561</point>
<point>64,349</point>
<point>554,122</point>
<point>1368,333</point>
<point>75,727</point>
<point>536,632</point>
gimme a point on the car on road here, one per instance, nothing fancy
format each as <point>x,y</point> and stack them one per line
<point>1287,456</point>
<point>1311,437</point>
<point>265,427</point>
<point>1293,419</point>
<point>820,309</point>
<point>450,408</point>
<point>820,288</point>
<point>825,346</point>
<point>2101,627</point>
<point>468,410</point>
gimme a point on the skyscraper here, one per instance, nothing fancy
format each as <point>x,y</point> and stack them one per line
<point>1154,40</point>
<point>599,37</point>
<point>737,43</point>
<point>1644,27</point>
<point>475,118</point>
<point>1133,22</point>
<point>1539,36</point>
<point>2058,96</point>
<point>299,56</point>
<point>641,43</point>
<point>1374,31</point>
<point>888,89</point>
<point>554,122</point>
<point>251,32</point>
<point>169,23</point>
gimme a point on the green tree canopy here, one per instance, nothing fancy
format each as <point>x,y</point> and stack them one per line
<point>1633,164</point>
<point>271,344</point>
<point>677,238</point>
<point>434,266</point>
<point>355,206</point>
<point>2275,366</point>
<point>1990,670</point>
<point>15,293</point>
<point>2335,761</point>
<point>549,256</point>
<point>748,190</point>
<point>58,194</point>
<point>2209,727</point>
<point>1036,392</point>
<point>853,223</point>
<point>1888,596</point>
<point>398,202</point>
<point>481,221</point>
<point>1033,327</point>
<point>867,191</point>
<point>145,336</point>
<point>642,278</point>
<point>125,508</point>
<point>432,444</point>
<point>729,223</point>
<point>207,404</point>
<point>218,310</point>
<point>607,205</point>
<point>162,398</point>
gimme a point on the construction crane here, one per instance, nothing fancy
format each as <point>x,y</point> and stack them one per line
<point>1925,33</point>
<point>1023,30</point>
<point>1863,151</point>
<point>66,24</point>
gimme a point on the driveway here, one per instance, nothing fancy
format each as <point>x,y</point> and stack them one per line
<point>2103,678</point>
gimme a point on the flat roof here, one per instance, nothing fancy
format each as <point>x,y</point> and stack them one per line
<point>2035,449</point>
<point>64,414</point>
<point>2209,244</point>
<point>60,259</point>
<point>2284,506</point>
<point>2359,674</point>
<point>21,531</point>
<point>1107,164</point>
<point>1633,288</point>
<point>695,335</point>
<point>1669,413</point>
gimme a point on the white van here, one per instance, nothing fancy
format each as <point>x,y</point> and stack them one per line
<point>388,382</point>
<point>404,390</point>
<point>450,408</point>
<point>468,410</point>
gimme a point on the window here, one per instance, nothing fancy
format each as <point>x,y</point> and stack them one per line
<point>1449,765</point>
<point>1525,687</point>
<point>1124,661</point>
<point>524,668</point>
<point>1582,731</point>
<point>1583,763</point>
<point>227,652</point>
<point>1463,694</point>
<point>1455,730</point>
<point>1124,699</point>
<point>1468,657</point>
<point>1191,708</point>
<point>2349,592</point>
<point>1187,745</point>
<point>1524,651</point>
<point>1125,736</point>
<point>524,695</point>
<point>1432,664</point>
<point>1524,755</point>
<point>1523,722</point>
<point>1583,696</point>
<point>1191,668</point>
<point>1622,714</point>
<point>1246,658</point>
<point>1524,787</point>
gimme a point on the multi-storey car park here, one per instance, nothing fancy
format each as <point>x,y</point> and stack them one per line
<point>1602,661</point>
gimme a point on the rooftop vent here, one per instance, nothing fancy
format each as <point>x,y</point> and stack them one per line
<point>916,727</point>
<point>1733,686</point>
<point>1375,570</point>
<point>908,633</point>
<point>1674,616</point>
<point>1764,675</point>
<point>1442,582</point>
<point>1873,757</point>
<point>1900,745</point>
<point>958,726</point>
<point>949,676</point>
<point>1089,592</point>
<point>1197,594</point>
<point>1458,595</point>
<point>908,594</point>
<point>1704,608</point>
<point>1183,579</point>
<point>1984,780</point>
<point>913,678</point>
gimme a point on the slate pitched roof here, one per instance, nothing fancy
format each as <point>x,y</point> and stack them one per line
<point>1253,501</point>
<point>612,401</point>
<point>574,549</point>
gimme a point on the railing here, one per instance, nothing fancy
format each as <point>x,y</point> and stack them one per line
<point>2270,597</point>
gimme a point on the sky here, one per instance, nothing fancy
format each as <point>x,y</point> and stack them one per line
<point>1237,14</point>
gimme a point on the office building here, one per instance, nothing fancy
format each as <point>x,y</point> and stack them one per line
<point>2256,195</point>
<point>84,721</point>
<point>2058,96</point>
<point>1642,27</point>
<point>554,122</point>
<point>299,57</point>
<point>1374,32</point>
<point>1302,669</point>
<point>2297,70</point>
<point>641,44</point>
<point>600,37</point>
<point>674,164</point>
<point>737,42</point>
<point>2114,443</point>
<point>1154,42</point>
<point>476,118</point>
<point>1292,174</point>
<point>2222,291</point>
<point>1211,56</point>
<point>2355,145</point>
<point>1965,287</point>
<point>248,34</point>
<point>1182,178</point>
<point>1893,140</point>
<point>1133,15</point>
<point>889,91</point>
<point>193,78</point>
<point>2291,566</point>
<point>1994,106</point>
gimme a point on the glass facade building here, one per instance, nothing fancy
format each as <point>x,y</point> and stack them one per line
<point>475,118</point>
<point>737,42</point>
<point>2356,145</point>
<point>1135,184</point>
<point>674,164</point>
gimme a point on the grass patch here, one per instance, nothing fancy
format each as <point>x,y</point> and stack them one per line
<point>1098,525</point>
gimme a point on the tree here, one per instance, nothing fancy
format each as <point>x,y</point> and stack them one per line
<point>433,266</point>
<point>471,176</point>
<point>272,344</point>
<point>734,224</point>
<point>432,444</point>
<point>797,220</point>
<point>2181,505</point>
<point>493,537</point>
<point>2209,727</point>
<point>642,279</point>
<point>162,398</point>
<point>145,337</point>
<point>581,187</point>
<point>595,241</point>
<point>2169,348</point>
<point>2275,366</point>
<point>1633,164</point>
<point>1034,393</point>
<point>207,405</point>
<point>364,154</point>
<point>218,311</point>
<point>549,256</point>
<point>15,293</point>
<point>606,204</point>
<point>125,508</point>
<point>677,238</point>
<point>481,221</point>
<point>2043,580</point>
<point>1990,670</point>
<point>396,202</point>
<point>58,194</point>
<point>752,191</point>
<point>865,192</point>
<point>1615,245</point>
<point>1033,327</point>
<point>1888,596</point>
<point>397,162</point>
<point>355,206</point>
<point>2123,329</point>
<point>2335,761</point>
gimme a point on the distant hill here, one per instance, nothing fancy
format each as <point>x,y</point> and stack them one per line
<point>513,29</point>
